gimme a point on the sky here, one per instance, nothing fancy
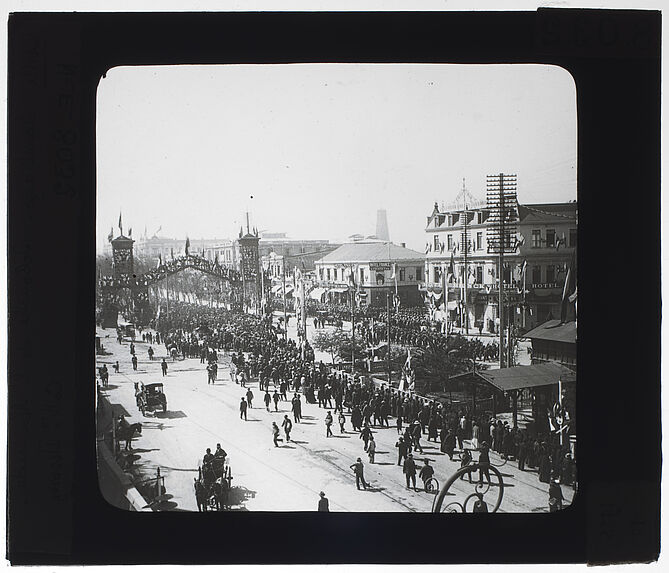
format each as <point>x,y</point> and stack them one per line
<point>314,150</point>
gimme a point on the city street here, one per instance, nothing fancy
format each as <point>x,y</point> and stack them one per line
<point>288,478</point>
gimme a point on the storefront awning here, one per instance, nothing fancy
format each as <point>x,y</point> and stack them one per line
<point>520,377</point>
<point>317,293</point>
<point>338,289</point>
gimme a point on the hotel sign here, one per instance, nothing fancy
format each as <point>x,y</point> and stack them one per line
<point>379,266</point>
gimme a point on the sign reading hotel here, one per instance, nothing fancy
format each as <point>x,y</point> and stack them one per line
<point>379,266</point>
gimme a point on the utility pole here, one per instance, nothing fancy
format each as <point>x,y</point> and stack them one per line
<point>465,241</point>
<point>285,319</point>
<point>502,202</point>
<point>351,289</point>
<point>388,336</point>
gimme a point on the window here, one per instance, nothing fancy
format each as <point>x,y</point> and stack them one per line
<point>449,240</point>
<point>572,237</point>
<point>362,276</point>
<point>419,273</point>
<point>328,272</point>
<point>550,274</point>
<point>550,239</point>
<point>437,274</point>
<point>479,275</point>
<point>335,274</point>
<point>436,242</point>
<point>536,238</point>
<point>320,273</point>
<point>450,220</point>
<point>402,275</point>
<point>507,275</point>
<point>479,241</point>
<point>480,218</point>
<point>536,274</point>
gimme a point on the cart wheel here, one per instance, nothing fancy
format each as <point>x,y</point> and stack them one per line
<point>432,486</point>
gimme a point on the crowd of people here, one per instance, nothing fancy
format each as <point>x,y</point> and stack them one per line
<point>260,353</point>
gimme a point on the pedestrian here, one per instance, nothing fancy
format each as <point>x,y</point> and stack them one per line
<point>426,473</point>
<point>150,353</point>
<point>268,399</point>
<point>403,450</point>
<point>409,470</point>
<point>342,421</point>
<point>522,454</point>
<point>117,368</point>
<point>276,397</point>
<point>249,397</point>
<point>371,449</point>
<point>275,434</point>
<point>475,436</point>
<point>358,469</point>
<point>416,434</point>
<point>328,424</point>
<point>555,498</point>
<point>448,443</point>
<point>365,435</point>
<point>296,408</point>
<point>134,362</point>
<point>287,426</point>
<point>163,365</point>
<point>399,423</point>
<point>484,462</point>
<point>465,460</point>
<point>242,409</point>
<point>323,503</point>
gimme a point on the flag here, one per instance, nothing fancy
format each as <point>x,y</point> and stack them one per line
<point>160,259</point>
<point>451,269</point>
<point>569,287</point>
<point>120,223</point>
<point>187,245</point>
<point>172,253</point>
<point>407,363</point>
<point>111,235</point>
<point>427,248</point>
<point>130,232</point>
<point>158,231</point>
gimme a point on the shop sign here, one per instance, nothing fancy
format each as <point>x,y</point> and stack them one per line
<point>379,266</point>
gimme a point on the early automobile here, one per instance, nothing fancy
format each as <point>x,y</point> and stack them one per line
<point>152,398</point>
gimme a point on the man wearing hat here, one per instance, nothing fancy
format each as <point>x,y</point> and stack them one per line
<point>358,469</point>
<point>409,470</point>
<point>323,503</point>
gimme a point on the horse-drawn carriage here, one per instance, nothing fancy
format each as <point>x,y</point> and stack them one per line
<point>213,485</point>
<point>152,397</point>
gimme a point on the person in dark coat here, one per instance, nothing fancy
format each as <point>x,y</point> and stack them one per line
<point>356,418</point>
<point>296,408</point>
<point>275,434</point>
<point>134,362</point>
<point>365,434</point>
<point>522,454</point>
<point>249,397</point>
<point>242,408</point>
<point>287,426</point>
<point>484,462</point>
<point>426,472</point>
<point>358,469</point>
<point>544,464</point>
<point>275,398</point>
<point>323,503</point>
<point>409,470</point>
<point>403,450</point>
<point>448,443</point>
<point>163,365</point>
<point>328,424</point>
<point>555,498</point>
<point>267,399</point>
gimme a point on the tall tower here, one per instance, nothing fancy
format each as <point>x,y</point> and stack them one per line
<point>382,225</point>
<point>249,266</point>
<point>122,256</point>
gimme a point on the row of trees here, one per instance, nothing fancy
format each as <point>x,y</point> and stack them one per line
<point>432,366</point>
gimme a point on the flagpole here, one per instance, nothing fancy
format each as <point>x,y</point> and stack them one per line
<point>444,296</point>
<point>351,288</point>
<point>285,319</point>
<point>388,336</point>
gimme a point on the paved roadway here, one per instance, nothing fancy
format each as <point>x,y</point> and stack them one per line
<point>287,478</point>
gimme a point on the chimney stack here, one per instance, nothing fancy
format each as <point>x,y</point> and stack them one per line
<point>382,225</point>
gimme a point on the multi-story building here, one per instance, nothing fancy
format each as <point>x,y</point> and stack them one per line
<point>534,271</point>
<point>276,249</point>
<point>378,268</point>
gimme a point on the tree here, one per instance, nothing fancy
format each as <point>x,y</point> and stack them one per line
<point>329,342</point>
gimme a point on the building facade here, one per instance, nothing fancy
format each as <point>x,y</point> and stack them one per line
<point>459,261</point>
<point>375,268</point>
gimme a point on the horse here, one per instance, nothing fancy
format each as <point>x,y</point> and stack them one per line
<point>127,433</point>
